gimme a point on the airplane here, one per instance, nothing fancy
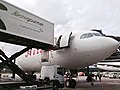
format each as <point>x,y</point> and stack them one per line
<point>30,61</point>
<point>72,50</point>
<point>109,65</point>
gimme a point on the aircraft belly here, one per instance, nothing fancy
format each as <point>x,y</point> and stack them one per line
<point>76,60</point>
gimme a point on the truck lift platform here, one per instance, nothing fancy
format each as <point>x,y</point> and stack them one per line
<point>9,62</point>
<point>22,86</point>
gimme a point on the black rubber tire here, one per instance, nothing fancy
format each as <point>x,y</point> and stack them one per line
<point>67,83</point>
<point>56,85</point>
<point>73,83</point>
<point>70,83</point>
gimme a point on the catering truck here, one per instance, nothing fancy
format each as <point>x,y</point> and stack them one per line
<point>21,27</point>
<point>53,73</point>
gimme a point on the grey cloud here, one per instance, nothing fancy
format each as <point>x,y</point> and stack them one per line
<point>53,10</point>
<point>10,49</point>
<point>101,14</point>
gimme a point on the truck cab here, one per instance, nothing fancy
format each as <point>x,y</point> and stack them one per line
<point>53,73</point>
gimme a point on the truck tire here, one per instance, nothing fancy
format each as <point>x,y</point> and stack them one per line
<point>73,83</point>
<point>70,83</point>
<point>56,85</point>
<point>33,77</point>
<point>67,83</point>
<point>46,80</point>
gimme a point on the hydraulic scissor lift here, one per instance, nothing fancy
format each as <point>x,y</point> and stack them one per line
<point>8,61</point>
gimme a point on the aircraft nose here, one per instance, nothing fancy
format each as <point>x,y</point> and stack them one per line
<point>109,45</point>
<point>113,44</point>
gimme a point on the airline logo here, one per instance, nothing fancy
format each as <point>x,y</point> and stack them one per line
<point>33,52</point>
<point>2,25</point>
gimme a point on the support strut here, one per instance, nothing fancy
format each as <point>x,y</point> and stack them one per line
<point>8,62</point>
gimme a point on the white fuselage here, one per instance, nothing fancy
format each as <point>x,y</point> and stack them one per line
<point>82,52</point>
<point>30,61</point>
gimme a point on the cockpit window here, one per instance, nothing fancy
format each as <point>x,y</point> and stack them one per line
<point>97,34</point>
<point>86,35</point>
<point>89,35</point>
<point>83,36</point>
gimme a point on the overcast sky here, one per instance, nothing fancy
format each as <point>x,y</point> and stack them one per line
<point>69,15</point>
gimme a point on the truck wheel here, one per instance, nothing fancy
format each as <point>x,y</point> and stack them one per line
<point>70,83</point>
<point>67,83</point>
<point>73,83</point>
<point>33,77</point>
<point>55,85</point>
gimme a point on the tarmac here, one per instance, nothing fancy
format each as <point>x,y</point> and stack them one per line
<point>105,84</point>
